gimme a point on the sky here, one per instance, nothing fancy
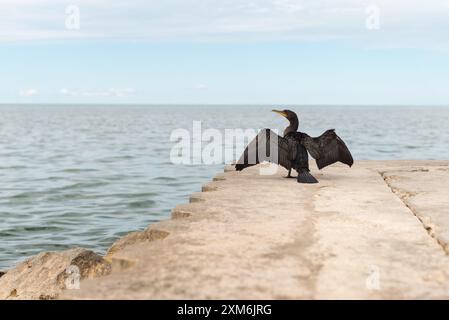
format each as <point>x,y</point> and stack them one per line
<point>225,51</point>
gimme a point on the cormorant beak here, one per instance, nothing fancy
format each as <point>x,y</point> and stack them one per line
<point>282,113</point>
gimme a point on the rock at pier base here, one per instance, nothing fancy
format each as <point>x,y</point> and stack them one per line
<point>149,234</point>
<point>45,275</point>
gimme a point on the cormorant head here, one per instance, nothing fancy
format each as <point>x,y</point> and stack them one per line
<point>290,115</point>
<point>292,118</point>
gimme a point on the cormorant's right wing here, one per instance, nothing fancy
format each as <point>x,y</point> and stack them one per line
<point>268,146</point>
<point>327,149</point>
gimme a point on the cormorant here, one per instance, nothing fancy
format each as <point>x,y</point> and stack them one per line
<point>293,148</point>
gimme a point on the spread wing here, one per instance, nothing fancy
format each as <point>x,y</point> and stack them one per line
<point>327,149</point>
<point>268,146</point>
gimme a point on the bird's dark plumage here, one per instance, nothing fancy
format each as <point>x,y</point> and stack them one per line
<point>287,152</point>
<point>326,149</point>
<point>291,150</point>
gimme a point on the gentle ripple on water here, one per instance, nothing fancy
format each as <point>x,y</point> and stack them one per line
<point>85,175</point>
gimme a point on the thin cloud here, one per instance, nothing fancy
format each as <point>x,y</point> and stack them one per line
<point>403,22</point>
<point>200,86</point>
<point>111,92</point>
<point>29,92</point>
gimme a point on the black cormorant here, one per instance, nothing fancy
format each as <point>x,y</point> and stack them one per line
<point>292,148</point>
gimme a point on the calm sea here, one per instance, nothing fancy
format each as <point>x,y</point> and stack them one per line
<point>85,175</point>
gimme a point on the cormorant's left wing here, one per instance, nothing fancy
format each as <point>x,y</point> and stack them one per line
<point>268,146</point>
<point>327,149</point>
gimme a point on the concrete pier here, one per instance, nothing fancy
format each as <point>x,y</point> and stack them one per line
<point>379,230</point>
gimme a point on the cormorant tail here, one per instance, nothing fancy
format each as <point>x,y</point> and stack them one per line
<point>304,176</point>
<point>239,167</point>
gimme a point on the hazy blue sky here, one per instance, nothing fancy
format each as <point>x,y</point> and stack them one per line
<point>233,51</point>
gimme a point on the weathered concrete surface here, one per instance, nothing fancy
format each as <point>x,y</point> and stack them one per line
<point>425,190</point>
<point>359,233</point>
<point>45,275</point>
